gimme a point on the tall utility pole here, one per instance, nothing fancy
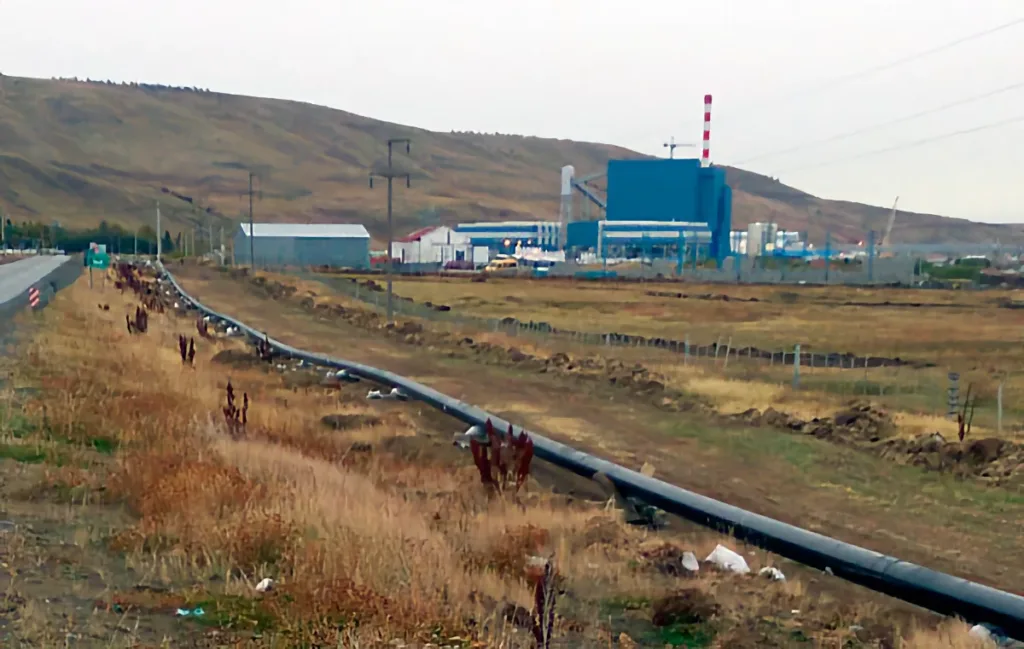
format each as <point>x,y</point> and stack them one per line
<point>671,146</point>
<point>252,232</point>
<point>391,174</point>
<point>159,234</point>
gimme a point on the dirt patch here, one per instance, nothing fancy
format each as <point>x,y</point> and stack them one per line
<point>349,422</point>
<point>424,450</point>
<point>238,358</point>
<point>58,578</point>
<point>690,606</point>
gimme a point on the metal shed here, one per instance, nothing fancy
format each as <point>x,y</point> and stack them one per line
<point>344,245</point>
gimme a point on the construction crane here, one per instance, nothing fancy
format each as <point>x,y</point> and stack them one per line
<point>888,228</point>
<point>672,144</point>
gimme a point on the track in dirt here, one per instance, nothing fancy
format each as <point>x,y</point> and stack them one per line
<point>924,518</point>
<point>915,584</point>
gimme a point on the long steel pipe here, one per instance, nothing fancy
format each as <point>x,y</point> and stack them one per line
<point>930,589</point>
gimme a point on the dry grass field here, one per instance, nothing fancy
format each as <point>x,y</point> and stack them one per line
<point>84,152</point>
<point>127,496</point>
<point>966,332</point>
<point>961,325</point>
<point>925,516</point>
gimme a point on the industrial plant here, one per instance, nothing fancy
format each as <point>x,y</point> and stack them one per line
<point>674,213</point>
<point>678,209</point>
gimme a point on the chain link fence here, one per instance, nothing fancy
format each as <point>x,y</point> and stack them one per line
<point>727,364</point>
<point>735,270</point>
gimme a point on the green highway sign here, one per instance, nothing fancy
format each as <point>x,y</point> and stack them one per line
<point>99,260</point>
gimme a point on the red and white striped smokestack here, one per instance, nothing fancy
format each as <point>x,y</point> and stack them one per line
<point>705,156</point>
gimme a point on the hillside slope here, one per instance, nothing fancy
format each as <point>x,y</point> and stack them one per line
<point>78,153</point>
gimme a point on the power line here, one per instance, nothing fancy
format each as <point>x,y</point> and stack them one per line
<point>899,120</point>
<point>909,145</point>
<point>839,80</point>
<point>920,55</point>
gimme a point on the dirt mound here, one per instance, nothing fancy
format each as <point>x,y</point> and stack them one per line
<point>599,531</point>
<point>865,426</point>
<point>718,297</point>
<point>690,606</point>
<point>859,422</point>
<point>995,461</point>
<point>349,422</point>
<point>407,328</point>
<point>275,290</point>
<point>664,558</point>
<point>239,358</point>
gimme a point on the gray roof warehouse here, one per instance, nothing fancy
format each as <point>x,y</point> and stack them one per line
<point>344,245</point>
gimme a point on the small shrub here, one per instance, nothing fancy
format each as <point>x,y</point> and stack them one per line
<point>236,418</point>
<point>504,461</point>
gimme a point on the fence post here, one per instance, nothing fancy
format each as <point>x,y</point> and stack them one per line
<point>999,408</point>
<point>953,395</point>
<point>796,367</point>
<point>686,349</point>
<point>728,349</point>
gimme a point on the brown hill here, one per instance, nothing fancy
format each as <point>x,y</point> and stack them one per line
<point>83,152</point>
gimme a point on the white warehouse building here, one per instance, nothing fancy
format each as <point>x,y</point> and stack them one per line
<point>437,245</point>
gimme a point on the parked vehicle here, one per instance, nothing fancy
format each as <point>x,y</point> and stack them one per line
<point>502,263</point>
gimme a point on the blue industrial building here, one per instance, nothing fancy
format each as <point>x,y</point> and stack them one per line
<point>653,208</point>
<point>637,238</point>
<point>505,236</point>
<point>676,202</point>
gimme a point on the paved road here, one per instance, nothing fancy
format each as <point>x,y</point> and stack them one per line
<point>16,278</point>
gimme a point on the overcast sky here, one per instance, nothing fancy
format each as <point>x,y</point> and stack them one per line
<point>629,73</point>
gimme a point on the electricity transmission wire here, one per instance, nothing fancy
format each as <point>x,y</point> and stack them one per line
<point>912,144</point>
<point>827,83</point>
<point>873,127</point>
<point>918,55</point>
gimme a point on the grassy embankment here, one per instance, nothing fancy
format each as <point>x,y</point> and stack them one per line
<point>363,543</point>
